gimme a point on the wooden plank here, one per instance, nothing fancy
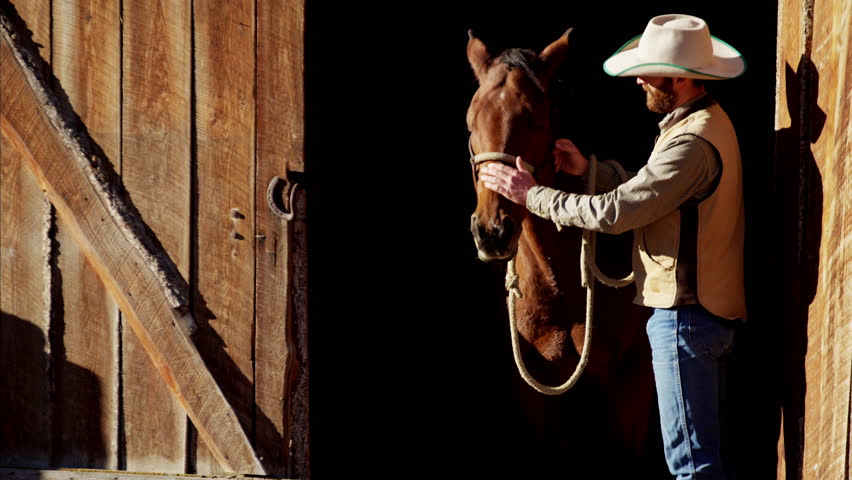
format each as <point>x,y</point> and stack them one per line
<point>788,118</point>
<point>86,53</point>
<point>25,435</point>
<point>281,85</point>
<point>223,275</point>
<point>25,438</point>
<point>86,61</point>
<point>115,242</point>
<point>789,51</point>
<point>156,172</point>
<point>78,474</point>
<point>827,243</point>
<point>280,358</point>
<point>814,72</point>
<point>36,14</point>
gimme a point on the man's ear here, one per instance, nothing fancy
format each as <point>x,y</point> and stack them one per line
<point>477,55</point>
<point>552,57</point>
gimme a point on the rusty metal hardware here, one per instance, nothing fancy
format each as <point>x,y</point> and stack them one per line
<point>277,194</point>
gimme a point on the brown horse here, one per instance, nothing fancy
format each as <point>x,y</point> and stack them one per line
<point>610,415</point>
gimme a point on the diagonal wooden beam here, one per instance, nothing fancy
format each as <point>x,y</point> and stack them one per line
<point>114,240</point>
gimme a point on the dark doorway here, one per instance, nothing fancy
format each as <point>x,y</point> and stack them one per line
<point>410,358</point>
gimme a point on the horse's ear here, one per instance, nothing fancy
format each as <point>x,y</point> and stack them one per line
<point>477,54</point>
<point>553,56</point>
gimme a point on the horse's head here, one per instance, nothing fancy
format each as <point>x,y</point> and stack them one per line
<point>509,114</point>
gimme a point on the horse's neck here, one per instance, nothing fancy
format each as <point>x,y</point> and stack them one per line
<point>548,259</point>
<point>551,307</point>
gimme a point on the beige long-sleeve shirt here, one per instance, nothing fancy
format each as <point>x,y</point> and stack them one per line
<point>684,170</point>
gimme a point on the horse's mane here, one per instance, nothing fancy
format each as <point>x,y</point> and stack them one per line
<point>522,58</point>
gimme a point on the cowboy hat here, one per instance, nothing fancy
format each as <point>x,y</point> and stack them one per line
<point>676,46</point>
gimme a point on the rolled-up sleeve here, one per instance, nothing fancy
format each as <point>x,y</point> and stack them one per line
<point>673,175</point>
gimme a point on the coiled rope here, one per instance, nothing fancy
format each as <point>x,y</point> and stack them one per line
<point>588,269</point>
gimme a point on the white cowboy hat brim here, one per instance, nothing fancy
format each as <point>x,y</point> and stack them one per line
<point>727,63</point>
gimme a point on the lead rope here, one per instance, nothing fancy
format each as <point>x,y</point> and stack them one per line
<point>588,268</point>
<point>587,254</point>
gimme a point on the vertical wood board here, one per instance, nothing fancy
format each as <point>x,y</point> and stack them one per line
<point>789,50</point>
<point>280,83</point>
<point>827,407</point>
<point>298,441</point>
<point>223,248</point>
<point>280,147</point>
<point>156,141</point>
<point>37,16</point>
<point>791,68</point>
<point>25,434</point>
<point>86,63</point>
<point>25,437</point>
<point>814,98</point>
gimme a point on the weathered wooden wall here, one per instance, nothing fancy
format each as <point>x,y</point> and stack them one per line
<point>197,106</point>
<point>814,168</point>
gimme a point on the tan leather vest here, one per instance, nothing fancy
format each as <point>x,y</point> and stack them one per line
<point>721,225</point>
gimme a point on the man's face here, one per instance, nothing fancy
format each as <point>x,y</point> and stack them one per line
<point>659,92</point>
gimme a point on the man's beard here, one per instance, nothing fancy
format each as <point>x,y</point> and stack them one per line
<point>660,99</point>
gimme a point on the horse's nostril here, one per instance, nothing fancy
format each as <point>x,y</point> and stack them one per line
<point>481,233</point>
<point>494,236</point>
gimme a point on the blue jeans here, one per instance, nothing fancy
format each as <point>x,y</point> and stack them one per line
<point>688,347</point>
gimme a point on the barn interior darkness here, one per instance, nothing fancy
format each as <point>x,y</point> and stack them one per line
<point>411,368</point>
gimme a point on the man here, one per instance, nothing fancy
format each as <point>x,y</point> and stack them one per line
<point>685,207</point>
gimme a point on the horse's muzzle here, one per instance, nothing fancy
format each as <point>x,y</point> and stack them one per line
<point>496,240</point>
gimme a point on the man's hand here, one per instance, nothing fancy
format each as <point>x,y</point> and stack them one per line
<point>507,181</point>
<point>568,158</point>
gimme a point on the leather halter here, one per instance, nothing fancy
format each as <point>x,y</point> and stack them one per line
<point>477,159</point>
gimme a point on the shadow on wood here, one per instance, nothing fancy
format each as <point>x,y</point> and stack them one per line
<point>800,198</point>
<point>36,430</point>
<point>41,122</point>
